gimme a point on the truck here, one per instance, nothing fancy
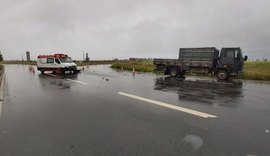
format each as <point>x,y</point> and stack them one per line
<point>205,60</point>
<point>56,63</point>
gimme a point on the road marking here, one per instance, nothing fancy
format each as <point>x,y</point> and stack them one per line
<point>51,74</point>
<point>182,109</point>
<point>84,83</point>
<point>2,93</point>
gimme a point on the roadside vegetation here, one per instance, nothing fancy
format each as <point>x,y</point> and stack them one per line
<point>253,70</point>
<point>143,66</point>
<point>94,62</point>
<point>257,70</point>
<point>19,62</point>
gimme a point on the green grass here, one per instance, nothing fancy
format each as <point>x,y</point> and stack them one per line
<point>253,70</point>
<point>97,62</point>
<point>257,70</point>
<point>143,66</point>
<point>19,62</point>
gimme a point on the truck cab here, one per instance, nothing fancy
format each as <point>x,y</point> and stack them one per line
<point>230,62</point>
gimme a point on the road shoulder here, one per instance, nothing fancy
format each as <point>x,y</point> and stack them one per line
<point>2,82</point>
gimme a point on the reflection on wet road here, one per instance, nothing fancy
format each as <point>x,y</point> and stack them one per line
<point>202,91</point>
<point>84,114</point>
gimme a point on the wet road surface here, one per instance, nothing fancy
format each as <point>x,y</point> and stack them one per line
<point>102,111</point>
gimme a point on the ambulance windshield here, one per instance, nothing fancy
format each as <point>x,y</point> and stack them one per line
<point>66,60</point>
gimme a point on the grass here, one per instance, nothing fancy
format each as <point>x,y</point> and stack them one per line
<point>253,70</point>
<point>143,66</point>
<point>257,70</point>
<point>97,62</point>
<point>19,62</point>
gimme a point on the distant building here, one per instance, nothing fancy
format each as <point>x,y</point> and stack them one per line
<point>87,58</point>
<point>28,56</point>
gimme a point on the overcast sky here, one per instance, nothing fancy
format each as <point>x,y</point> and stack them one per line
<point>109,29</point>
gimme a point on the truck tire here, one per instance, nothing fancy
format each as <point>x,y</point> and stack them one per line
<point>174,72</point>
<point>222,75</point>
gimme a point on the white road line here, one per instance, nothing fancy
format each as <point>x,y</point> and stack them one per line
<point>84,83</point>
<point>186,110</point>
<point>2,93</point>
<point>51,74</point>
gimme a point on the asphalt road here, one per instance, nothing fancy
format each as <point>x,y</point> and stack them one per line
<point>102,111</point>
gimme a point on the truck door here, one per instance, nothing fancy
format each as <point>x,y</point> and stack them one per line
<point>238,61</point>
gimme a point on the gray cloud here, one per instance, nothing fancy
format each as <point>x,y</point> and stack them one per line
<point>126,28</point>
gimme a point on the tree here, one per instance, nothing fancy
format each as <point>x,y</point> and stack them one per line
<point>1,57</point>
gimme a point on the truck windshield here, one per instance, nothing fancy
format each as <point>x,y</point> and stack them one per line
<point>238,54</point>
<point>66,60</point>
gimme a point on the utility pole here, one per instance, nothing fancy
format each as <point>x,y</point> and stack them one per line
<point>83,55</point>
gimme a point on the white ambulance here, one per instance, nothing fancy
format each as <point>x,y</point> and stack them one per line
<point>56,63</point>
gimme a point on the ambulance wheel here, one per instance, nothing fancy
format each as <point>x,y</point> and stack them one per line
<point>42,72</point>
<point>63,71</point>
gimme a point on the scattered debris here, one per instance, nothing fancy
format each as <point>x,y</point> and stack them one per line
<point>107,79</point>
<point>267,131</point>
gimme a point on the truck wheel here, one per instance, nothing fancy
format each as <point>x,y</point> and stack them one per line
<point>173,72</point>
<point>222,75</point>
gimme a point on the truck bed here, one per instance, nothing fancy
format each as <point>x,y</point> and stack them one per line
<point>174,62</point>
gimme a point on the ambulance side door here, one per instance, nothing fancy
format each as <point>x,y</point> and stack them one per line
<point>50,63</point>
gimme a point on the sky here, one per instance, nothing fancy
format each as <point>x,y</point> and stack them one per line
<point>108,29</point>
